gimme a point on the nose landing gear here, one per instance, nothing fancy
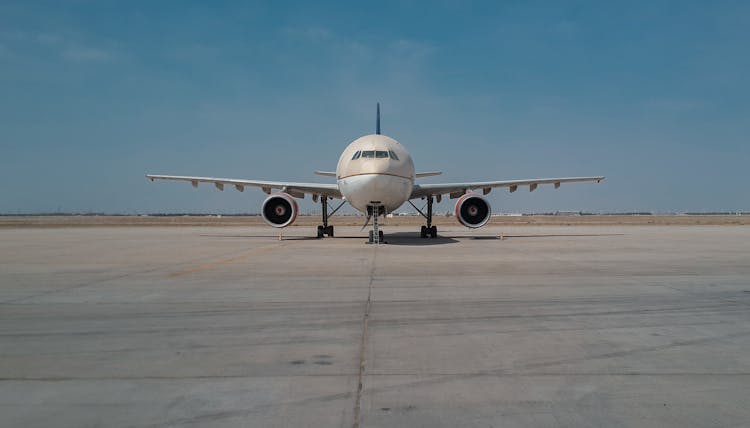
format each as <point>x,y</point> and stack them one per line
<point>375,235</point>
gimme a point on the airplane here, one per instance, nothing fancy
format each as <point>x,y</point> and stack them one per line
<point>375,175</point>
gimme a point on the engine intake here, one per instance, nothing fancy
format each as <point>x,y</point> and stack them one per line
<point>473,210</point>
<point>279,210</point>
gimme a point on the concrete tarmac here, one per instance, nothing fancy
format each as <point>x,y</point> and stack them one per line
<point>228,326</point>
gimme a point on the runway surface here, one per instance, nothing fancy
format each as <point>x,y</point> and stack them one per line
<point>228,326</point>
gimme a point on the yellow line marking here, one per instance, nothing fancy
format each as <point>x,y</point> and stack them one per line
<point>222,262</point>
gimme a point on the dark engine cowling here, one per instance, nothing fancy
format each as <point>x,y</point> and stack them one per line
<point>473,210</point>
<point>279,210</point>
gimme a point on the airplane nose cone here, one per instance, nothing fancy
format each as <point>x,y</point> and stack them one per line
<point>375,185</point>
<point>376,166</point>
<point>388,190</point>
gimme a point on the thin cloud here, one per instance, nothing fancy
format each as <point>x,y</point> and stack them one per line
<point>567,27</point>
<point>413,48</point>
<point>38,38</point>
<point>313,34</point>
<point>44,44</point>
<point>673,105</point>
<point>49,38</point>
<point>88,54</point>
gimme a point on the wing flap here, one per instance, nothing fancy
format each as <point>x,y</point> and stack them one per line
<point>295,189</point>
<point>457,189</point>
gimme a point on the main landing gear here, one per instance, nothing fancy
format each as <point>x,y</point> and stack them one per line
<point>325,229</point>
<point>428,230</point>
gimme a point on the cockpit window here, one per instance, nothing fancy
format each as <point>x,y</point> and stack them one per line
<point>380,154</point>
<point>356,155</point>
<point>393,155</point>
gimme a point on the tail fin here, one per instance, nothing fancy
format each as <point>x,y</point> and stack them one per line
<point>377,121</point>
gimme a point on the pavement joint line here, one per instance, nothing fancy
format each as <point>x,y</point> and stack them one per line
<point>20,300</point>
<point>363,343</point>
<point>344,375</point>
<point>77,286</point>
<point>693,294</point>
<point>217,263</point>
<point>582,266</point>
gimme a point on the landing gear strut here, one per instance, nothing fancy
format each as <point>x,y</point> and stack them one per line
<point>375,235</point>
<point>429,229</point>
<point>325,229</point>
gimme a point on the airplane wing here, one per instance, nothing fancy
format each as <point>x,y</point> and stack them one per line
<point>297,190</point>
<point>457,189</point>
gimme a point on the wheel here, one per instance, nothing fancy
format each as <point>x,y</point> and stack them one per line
<point>380,236</point>
<point>423,232</point>
<point>329,231</point>
<point>371,240</point>
<point>320,231</point>
<point>433,232</point>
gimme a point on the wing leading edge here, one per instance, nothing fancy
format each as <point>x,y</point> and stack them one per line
<point>457,189</point>
<point>298,190</point>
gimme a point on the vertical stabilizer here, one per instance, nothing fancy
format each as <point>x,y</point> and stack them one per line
<point>377,121</point>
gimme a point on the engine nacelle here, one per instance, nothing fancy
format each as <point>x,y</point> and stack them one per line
<point>279,210</point>
<point>473,210</point>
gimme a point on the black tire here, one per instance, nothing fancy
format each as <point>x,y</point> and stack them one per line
<point>380,236</point>
<point>433,232</point>
<point>423,232</point>
<point>320,232</point>
<point>330,231</point>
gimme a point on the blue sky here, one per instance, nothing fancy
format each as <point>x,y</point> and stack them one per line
<point>652,94</point>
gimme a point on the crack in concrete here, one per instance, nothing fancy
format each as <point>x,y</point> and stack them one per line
<point>363,343</point>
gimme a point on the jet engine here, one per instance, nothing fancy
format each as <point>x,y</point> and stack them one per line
<point>279,210</point>
<point>473,210</point>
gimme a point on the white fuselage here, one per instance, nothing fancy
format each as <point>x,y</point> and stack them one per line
<point>375,170</point>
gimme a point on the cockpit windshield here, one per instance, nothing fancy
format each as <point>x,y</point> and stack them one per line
<point>356,155</point>
<point>379,154</point>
